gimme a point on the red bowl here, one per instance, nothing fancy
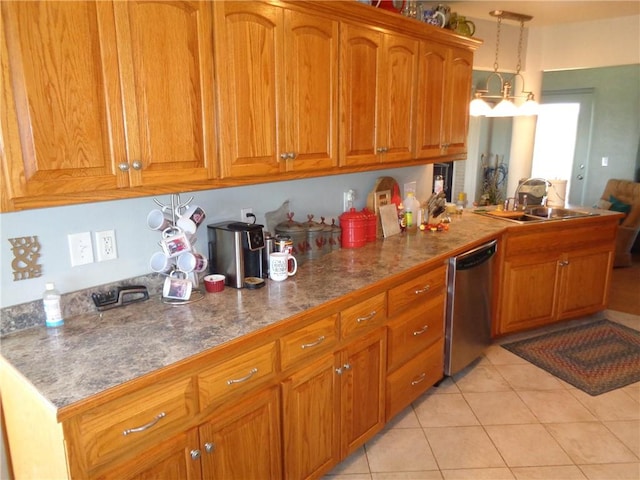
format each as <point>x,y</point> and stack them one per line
<point>214,283</point>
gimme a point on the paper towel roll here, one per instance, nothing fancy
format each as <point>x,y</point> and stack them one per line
<point>556,193</point>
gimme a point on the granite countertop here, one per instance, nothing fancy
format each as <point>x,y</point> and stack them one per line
<point>94,352</point>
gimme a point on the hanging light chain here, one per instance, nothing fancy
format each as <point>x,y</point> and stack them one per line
<point>495,62</point>
<point>519,65</point>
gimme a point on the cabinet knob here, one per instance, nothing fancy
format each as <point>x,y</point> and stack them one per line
<point>291,155</point>
<point>123,166</point>
<point>339,370</point>
<point>284,155</point>
<point>137,165</point>
<point>209,447</point>
<point>195,454</point>
<point>382,149</point>
<point>347,366</point>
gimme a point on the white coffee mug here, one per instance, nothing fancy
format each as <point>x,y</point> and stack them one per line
<point>279,266</point>
<point>177,286</point>
<point>158,220</point>
<point>191,219</point>
<point>161,263</point>
<point>192,262</point>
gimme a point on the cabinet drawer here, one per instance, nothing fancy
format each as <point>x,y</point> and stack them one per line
<point>136,421</point>
<point>236,375</point>
<point>417,289</point>
<point>304,343</point>
<point>414,330</point>
<point>414,378</point>
<point>371,312</point>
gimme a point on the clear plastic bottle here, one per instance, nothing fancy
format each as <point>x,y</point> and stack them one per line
<point>52,309</point>
<point>411,209</point>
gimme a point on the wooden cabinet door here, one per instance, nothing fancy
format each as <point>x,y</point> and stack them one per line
<point>243,441</point>
<point>432,77</point>
<point>398,99</point>
<point>165,50</point>
<point>585,282</point>
<point>310,91</point>
<point>362,389</point>
<point>361,74</point>
<point>311,419</point>
<point>529,289</point>
<point>456,120</point>
<point>248,58</point>
<point>170,459</point>
<point>62,123</point>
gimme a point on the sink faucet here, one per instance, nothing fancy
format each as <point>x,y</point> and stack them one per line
<point>516,196</point>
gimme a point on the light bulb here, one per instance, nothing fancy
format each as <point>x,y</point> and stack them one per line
<point>479,108</point>
<point>506,108</point>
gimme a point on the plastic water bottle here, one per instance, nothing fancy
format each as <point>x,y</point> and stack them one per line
<point>52,310</point>
<point>411,209</point>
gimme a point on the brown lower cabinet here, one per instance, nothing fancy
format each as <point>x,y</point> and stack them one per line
<point>551,274</point>
<point>294,399</point>
<point>289,403</point>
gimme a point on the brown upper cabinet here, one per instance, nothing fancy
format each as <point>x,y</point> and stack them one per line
<point>104,100</point>
<point>444,81</point>
<point>101,96</point>
<point>378,86</point>
<point>277,89</point>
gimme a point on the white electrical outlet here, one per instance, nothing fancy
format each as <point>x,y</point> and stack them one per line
<point>243,214</point>
<point>106,248</point>
<point>80,248</point>
<point>605,161</point>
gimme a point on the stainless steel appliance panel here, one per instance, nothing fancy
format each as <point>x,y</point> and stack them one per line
<point>468,319</point>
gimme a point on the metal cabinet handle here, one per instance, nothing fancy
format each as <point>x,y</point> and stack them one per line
<point>421,331</point>
<point>424,289</point>
<point>563,263</point>
<point>123,166</point>
<point>144,427</point>
<point>195,454</point>
<point>252,372</point>
<point>339,370</point>
<point>137,165</point>
<point>419,379</point>
<point>209,447</point>
<point>291,155</point>
<point>284,155</point>
<point>313,344</point>
<point>382,149</point>
<point>366,317</point>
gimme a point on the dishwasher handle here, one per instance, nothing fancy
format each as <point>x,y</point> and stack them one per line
<point>476,257</point>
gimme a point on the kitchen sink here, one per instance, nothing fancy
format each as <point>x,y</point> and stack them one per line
<point>551,213</point>
<point>536,214</point>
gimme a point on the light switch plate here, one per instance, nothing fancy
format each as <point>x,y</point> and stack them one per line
<point>80,248</point>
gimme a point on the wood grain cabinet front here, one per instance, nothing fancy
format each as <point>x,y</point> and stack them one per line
<point>277,89</point>
<point>237,375</point>
<point>307,342</point>
<point>370,312</point>
<point>444,76</point>
<point>552,275</point>
<point>378,87</point>
<point>92,110</point>
<point>127,426</point>
<point>237,443</point>
<point>415,353</point>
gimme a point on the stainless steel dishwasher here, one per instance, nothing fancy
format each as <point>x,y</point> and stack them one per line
<point>468,318</point>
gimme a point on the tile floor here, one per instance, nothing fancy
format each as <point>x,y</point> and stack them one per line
<point>504,418</point>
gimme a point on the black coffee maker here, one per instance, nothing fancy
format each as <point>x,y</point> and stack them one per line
<point>235,251</point>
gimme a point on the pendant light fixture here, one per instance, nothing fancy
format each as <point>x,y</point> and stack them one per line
<point>506,107</point>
